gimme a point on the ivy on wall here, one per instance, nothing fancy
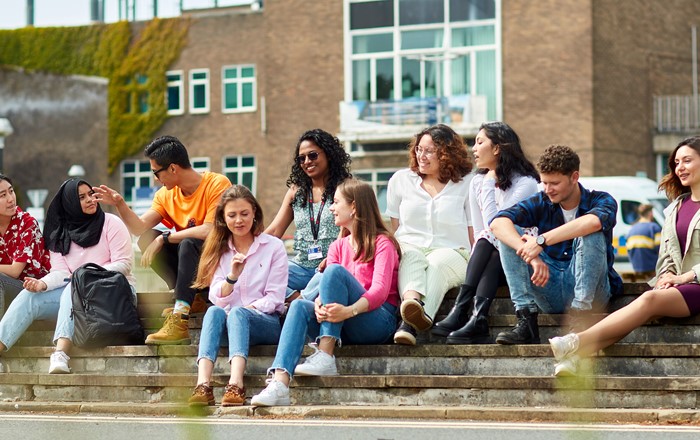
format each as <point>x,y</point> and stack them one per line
<point>110,51</point>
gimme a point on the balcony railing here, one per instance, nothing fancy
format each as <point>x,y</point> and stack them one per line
<point>676,114</point>
<point>401,118</point>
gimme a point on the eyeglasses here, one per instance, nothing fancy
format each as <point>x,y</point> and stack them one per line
<point>155,172</point>
<point>302,157</point>
<point>424,151</point>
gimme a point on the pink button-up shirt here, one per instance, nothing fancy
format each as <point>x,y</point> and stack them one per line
<point>263,282</point>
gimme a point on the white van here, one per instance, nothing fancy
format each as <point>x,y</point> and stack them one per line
<point>630,192</point>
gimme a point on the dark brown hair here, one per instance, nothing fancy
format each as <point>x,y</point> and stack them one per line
<point>455,162</point>
<point>670,183</point>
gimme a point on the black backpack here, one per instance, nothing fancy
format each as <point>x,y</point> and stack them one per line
<point>103,312</point>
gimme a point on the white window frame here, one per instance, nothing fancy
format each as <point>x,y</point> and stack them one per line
<point>180,85</point>
<point>137,174</point>
<point>239,81</point>
<point>199,82</point>
<point>241,169</point>
<point>200,169</point>
<point>374,182</point>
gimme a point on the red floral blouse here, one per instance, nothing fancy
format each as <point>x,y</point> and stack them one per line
<point>23,242</point>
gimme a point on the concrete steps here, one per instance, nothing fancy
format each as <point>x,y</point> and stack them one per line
<point>654,367</point>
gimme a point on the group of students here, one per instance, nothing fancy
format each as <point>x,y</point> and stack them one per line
<point>352,280</point>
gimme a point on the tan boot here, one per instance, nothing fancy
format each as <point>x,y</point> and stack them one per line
<point>175,331</point>
<point>199,307</point>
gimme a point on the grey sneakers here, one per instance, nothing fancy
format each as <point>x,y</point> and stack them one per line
<point>564,349</point>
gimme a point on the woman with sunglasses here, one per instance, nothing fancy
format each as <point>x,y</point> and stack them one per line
<point>320,165</point>
<point>428,204</point>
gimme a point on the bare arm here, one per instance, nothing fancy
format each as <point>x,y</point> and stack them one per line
<point>13,270</point>
<point>394,223</point>
<point>579,227</point>
<point>135,224</point>
<point>284,217</point>
<point>504,230</point>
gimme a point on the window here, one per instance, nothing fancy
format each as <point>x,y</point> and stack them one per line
<point>135,174</point>
<point>239,89</point>
<point>379,180</point>
<point>241,170</point>
<point>136,94</point>
<point>175,95</point>
<point>199,91</point>
<point>416,49</point>
<point>200,164</point>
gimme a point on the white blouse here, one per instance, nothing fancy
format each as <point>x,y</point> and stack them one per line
<point>429,222</point>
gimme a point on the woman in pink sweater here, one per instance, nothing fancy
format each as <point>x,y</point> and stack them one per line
<point>357,300</point>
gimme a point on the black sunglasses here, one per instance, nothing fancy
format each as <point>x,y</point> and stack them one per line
<point>155,172</point>
<point>302,157</point>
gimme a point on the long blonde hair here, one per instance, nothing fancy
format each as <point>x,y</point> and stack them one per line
<point>218,239</point>
<point>368,220</point>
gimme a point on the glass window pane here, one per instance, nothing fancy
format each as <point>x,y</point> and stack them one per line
<point>367,15</point>
<point>173,98</point>
<point>247,180</point>
<point>231,73</point>
<point>248,72</point>
<point>141,79</point>
<point>247,93</point>
<point>372,43</point>
<point>421,11</point>
<point>367,177</point>
<point>199,97</point>
<point>462,10</point>
<point>174,77</point>
<point>461,75</point>
<point>410,78</point>
<point>128,167</point>
<point>233,177</point>
<point>486,79</point>
<point>430,38</point>
<point>144,181</point>
<point>199,75</point>
<point>473,36</point>
<point>129,183</point>
<point>431,79</point>
<point>360,80</point>
<point>231,162</point>
<point>231,96</point>
<point>143,102</point>
<point>384,176</point>
<point>385,79</point>
<point>248,161</point>
<point>381,197</point>
<point>145,166</point>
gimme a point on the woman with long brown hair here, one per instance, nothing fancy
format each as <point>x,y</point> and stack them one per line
<point>246,271</point>
<point>357,295</point>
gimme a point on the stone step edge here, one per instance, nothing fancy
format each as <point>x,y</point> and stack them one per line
<point>377,381</point>
<point>673,417</point>
<point>656,350</point>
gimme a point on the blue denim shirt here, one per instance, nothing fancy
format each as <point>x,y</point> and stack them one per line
<point>539,211</point>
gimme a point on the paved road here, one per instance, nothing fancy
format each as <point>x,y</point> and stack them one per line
<point>28,427</point>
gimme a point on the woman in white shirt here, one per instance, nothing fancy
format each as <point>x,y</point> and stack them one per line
<point>504,178</point>
<point>429,209</point>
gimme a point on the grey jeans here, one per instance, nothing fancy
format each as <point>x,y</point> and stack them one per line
<point>9,288</point>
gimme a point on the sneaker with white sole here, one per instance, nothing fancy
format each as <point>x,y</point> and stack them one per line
<point>567,367</point>
<point>275,394</point>
<point>413,314</point>
<point>318,364</point>
<point>564,346</point>
<point>59,363</point>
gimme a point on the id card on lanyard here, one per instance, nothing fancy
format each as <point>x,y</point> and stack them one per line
<point>314,251</point>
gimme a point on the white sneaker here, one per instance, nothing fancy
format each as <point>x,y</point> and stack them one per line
<point>275,394</point>
<point>567,367</point>
<point>564,346</point>
<point>59,363</point>
<point>318,364</point>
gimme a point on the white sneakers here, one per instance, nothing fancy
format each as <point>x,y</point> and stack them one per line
<point>59,363</point>
<point>275,394</point>
<point>564,348</point>
<point>318,364</point>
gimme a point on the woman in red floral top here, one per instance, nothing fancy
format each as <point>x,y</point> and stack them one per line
<point>22,252</point>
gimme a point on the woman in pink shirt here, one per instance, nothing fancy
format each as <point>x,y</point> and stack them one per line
<point>76,232</point>
<point>246,271</point>
<point>357,300</point>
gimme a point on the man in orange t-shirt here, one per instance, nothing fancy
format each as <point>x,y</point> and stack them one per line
<point>187,202</point>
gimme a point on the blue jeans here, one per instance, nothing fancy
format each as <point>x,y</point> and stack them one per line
<point>31,306</point>
<point>299,277</point>
<point>336,286</point>
<point>241,328</point>
<point>580,283</point>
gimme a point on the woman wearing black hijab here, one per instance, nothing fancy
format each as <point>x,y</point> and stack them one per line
<point>76,232</point>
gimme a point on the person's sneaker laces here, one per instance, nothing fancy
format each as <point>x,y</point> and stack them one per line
<point>413,314</point>
<point>405,335</point>
<point>564,346</point>
<point>318,364</point>
<point>275,394</point>
<point>58,363</point>
<point>567,367</point>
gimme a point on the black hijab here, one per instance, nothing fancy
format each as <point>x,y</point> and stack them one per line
<point>66,221</point>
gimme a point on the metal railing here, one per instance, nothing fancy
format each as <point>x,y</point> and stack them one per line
<point>676,114</point>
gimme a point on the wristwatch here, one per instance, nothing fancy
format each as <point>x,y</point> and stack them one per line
<point>541,241</point>
<point>166,237</point>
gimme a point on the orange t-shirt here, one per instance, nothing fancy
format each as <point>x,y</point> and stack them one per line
<point>184,212</point>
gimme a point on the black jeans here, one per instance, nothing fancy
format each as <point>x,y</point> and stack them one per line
<point>176,263</point>
<point>484,271</point>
